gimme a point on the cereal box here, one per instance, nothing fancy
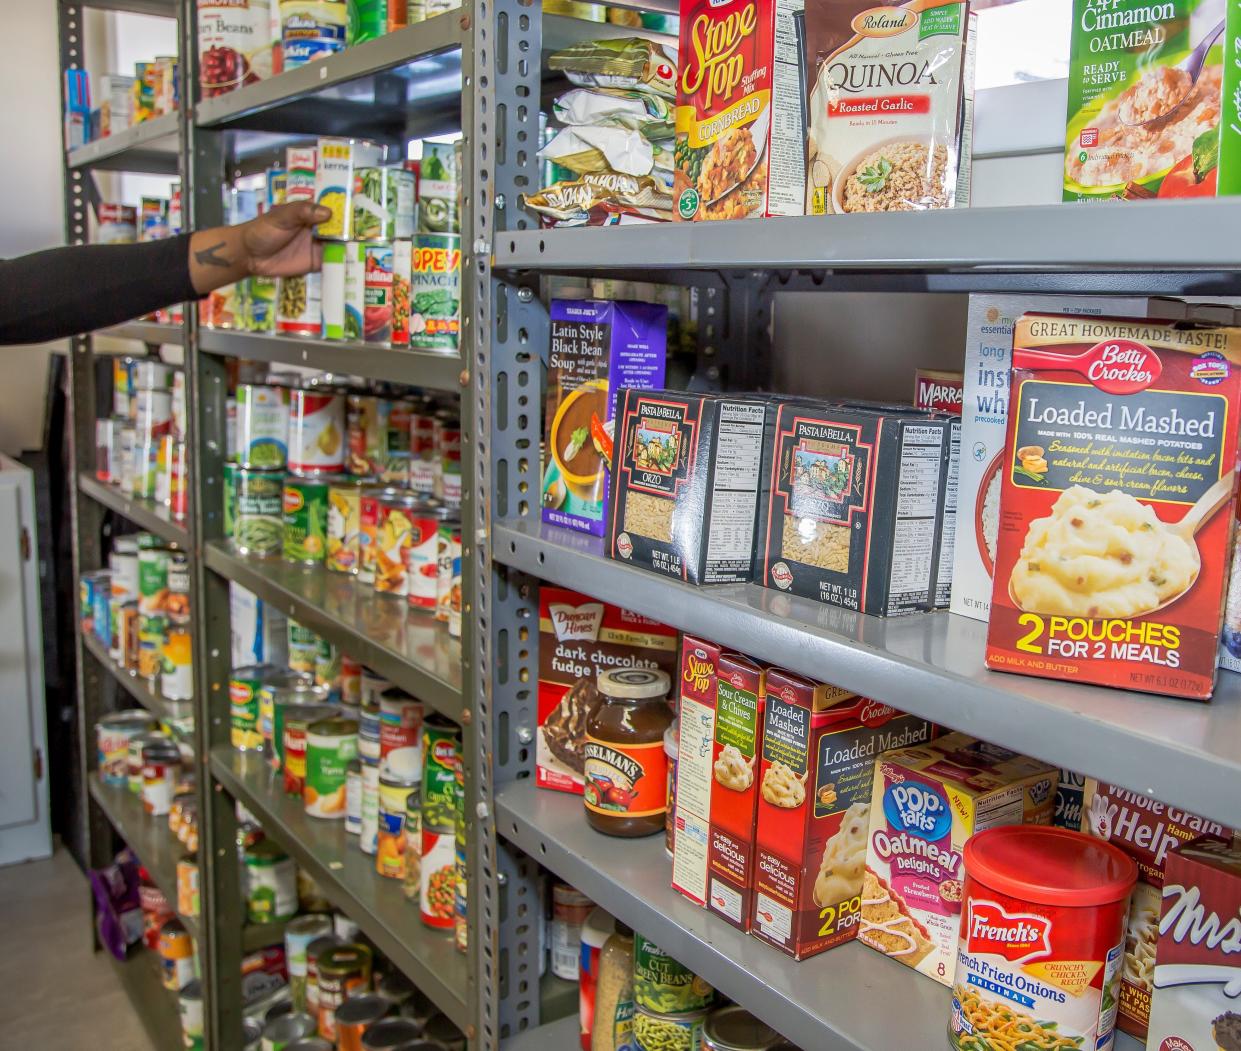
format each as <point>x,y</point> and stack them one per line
<point>740,140</point>
<point>578,637</point>
<point>854,500</point>
<point>1151,833</point>
<point>811,831</point>
<point>1116,503</point>
<point>1197,972</point>
<point>1140,125</point>
<point>695,753</point>
<point>926,802</point>
<point>596,348</point>
<point>685,488</point>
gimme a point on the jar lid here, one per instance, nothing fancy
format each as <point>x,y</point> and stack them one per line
<point>634,684</point>
<point>733,1028</point>
<point>1049,866</point>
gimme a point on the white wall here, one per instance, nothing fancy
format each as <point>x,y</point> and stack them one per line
<point>31,215</point>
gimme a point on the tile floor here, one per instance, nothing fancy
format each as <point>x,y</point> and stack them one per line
<point>57,992</point>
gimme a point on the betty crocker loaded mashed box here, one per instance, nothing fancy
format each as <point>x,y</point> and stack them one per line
<point>1116,521</point>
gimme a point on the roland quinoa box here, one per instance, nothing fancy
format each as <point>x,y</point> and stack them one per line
<point>1116,499</point>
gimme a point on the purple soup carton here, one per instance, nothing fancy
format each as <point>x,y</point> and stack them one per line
<point>597,347</point>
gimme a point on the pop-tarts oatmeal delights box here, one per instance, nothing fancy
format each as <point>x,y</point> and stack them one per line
<point>1116,517</point>
<point>740,145</point>
<point>596,347</point>
<point>1197,974</point>
<point>926,802</point>
<point>818,755</point>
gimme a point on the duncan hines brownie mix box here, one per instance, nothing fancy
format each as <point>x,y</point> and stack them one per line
<point>685,487</point>
<point>818,755</point>
<point>853,506</point>
<point>1152,833</point>
<point>1116,501</point>
<point>740,148</point>
<point>579,637</point>
<point>596,348</point>
<point>927,800</point>
<point>1198,965</point>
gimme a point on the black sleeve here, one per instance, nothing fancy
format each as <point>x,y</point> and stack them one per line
<point>64,291</point>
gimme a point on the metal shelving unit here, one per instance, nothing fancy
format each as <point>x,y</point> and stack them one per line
<point>145,514</point>
<point>138,688</point>
<point>152,147</point>
<point>152,333</point>
<point>143,981</point>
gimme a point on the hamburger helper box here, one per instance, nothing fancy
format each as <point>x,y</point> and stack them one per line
<point>597,346</point>
<point>927,800</point>
<point>818,753</point>
<point>1116,496</point>
<point>578,637</point>
<point>1198,963</point>
<point>1152,833</point>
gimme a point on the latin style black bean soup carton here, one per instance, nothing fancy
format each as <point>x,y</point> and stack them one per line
<point>1197,978</point>
<point>1116,529</point>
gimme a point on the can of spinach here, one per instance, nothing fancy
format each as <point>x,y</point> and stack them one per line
<point>435,292</point>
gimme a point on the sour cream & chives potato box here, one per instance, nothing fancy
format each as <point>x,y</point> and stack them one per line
<point>1118,480</point>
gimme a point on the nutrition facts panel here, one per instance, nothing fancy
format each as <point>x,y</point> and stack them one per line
<point>917,500</point>
<point>730,535</point>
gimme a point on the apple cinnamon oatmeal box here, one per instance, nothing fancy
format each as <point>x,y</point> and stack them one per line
<point>1117,487</point>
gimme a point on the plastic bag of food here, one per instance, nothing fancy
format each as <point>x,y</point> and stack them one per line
<point>637,110</point>
<point>118,910</point>
<point>631,63</point>
<point>584,149</point>
<point>601,199</point>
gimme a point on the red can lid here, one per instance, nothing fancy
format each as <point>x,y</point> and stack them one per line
<point>1050,866</point>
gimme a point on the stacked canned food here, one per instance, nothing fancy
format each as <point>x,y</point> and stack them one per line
<point>363,484</point>
<point>141,447</point>
<point>391,272</point>
<point>139,609</point>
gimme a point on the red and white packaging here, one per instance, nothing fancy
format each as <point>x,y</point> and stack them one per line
<point>1042,926</point>
<point>1198,969</point>
<point>939,390</point>
<point>439,860</point>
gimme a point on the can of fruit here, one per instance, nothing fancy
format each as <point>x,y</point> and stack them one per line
<point>448,571</point>
<point>296,719</point>
<point>366,419</point>
<point>441,753</point>
<point>356,1016</point>
<point>176,677</point>
<point>342,970</point>
<point>413,846</point>
<point>305,520</point>
<point>377,293</point>
<point>316,432</point>
<point>330,744</point>
<point>270,883</point>
<point>243,700</point>
<point>394,795</point>
<point>343,526</point>
<point>188,900</point>
<point>332,289</point>
<point>370,516</point>
<point>228,498</point>
<point>401,518</point>
<point>176,955</point>
<point>258,512</point>
<point>279,687</point>
<point>298,934</point>
<point>262,426</point>
<point>400,723</point>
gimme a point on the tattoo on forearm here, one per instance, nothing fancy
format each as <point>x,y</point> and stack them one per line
<point>208,257</point>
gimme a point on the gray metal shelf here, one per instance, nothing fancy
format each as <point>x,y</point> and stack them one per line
<point>153,333</point>
<point>417,368</point>
<point>412,650</point>
<point>139,689</point>
<point>146,514</point>
<point>161,8</point>
<point>142,979</point>
<point>561,1035</point>
<point>150,838</point>
<point>348,878</point>
<point>930,664</point>
<point>152,147</point>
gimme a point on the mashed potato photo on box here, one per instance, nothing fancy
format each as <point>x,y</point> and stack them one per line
<point>1101,555</point>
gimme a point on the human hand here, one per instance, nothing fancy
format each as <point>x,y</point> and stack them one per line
<point>280,242</point>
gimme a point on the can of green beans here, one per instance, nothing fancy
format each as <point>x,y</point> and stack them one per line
<point>258,517</point>
<point>441,753</point>
<point>304,532</point>
<point>229,498</point>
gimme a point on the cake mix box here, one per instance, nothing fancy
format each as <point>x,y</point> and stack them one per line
<point>1116,501</point>
<point>928,800</point>
<point>578,637</point>
<point>818,754</point>
<point>1151,833</point>
<point>1197,976</point>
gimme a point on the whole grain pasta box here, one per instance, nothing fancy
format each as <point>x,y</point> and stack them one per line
<point>597,346</point>
<point>740,137</point>
<point>685,487</point>
<point>853,505</point>
<point>1116,500</point>
<point>819,747</point>
<point>1151,833</point>
<point>1198,965</point>
<point>928,800</point>
<point>578,637</point>
<point>891,100</point>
